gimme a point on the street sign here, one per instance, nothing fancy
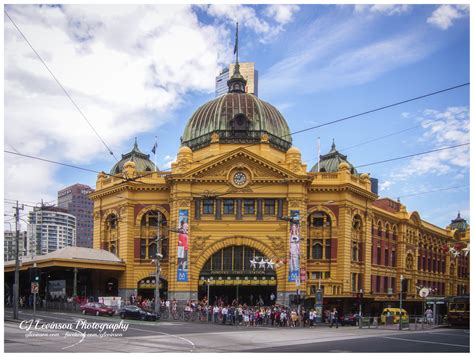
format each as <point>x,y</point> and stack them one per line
<point>34,288</point>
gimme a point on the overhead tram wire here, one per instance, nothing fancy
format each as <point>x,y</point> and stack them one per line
<point>412,155</point>
<point>357,115</point>
<point>432,191</point>
<point>381,137</point>
<point>69,165</point>
<point>61,86</point>
<point>132,179</point>
<point>211,194</point>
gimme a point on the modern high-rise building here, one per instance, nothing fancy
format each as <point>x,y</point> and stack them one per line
<point>9,245</point>
<point>75,200</point>
<point>50,229</point>
<point>248,71</point>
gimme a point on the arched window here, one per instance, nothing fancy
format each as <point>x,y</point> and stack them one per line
<point>320,235</point>
<point>394,232</point>
<point>112,221</point>
<point>148,233</point>
<point>387,230</point>
<point>379,229</point>
<point>317,249</point>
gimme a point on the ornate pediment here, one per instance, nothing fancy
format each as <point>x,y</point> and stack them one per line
<point>259,167</point>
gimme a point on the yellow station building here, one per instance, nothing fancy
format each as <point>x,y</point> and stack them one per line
<point>225,209</point>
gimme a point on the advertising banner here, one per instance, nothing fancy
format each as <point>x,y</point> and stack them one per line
<point>294,267</point>
<point>183,246</point>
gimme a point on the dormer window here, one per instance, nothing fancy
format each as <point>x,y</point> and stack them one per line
<point>240,122</point>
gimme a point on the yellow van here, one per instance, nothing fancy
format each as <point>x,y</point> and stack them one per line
<point>394,312</point>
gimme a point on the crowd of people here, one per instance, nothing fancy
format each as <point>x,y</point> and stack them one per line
<point>238,313</point>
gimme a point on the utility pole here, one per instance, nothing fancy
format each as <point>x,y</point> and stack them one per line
<point>158,257</point>
<point>16,285</point>
<point>401,289</point>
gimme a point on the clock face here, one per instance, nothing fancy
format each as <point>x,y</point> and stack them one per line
<point>239,178</point>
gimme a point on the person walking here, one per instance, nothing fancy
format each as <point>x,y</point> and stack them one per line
<point>311,318</point>
<point>334,318</point>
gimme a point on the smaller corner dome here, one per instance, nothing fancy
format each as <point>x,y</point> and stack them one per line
<point>185,150</point>
<point>142,161</point>
<point>293,150</point>
<point>330,162</point>
<point>459,224</point>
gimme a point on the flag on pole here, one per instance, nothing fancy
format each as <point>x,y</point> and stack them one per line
<point>153,150</point>
<point>236,38</point>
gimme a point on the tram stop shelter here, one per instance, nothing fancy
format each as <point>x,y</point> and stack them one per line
<point>67,272</point>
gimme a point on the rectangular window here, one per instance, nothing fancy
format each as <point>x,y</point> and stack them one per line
<point>354,281</point>
<point>269,207</point>
<point>208,207</point>
<point>377,284</point>
<point>249,206</point>
<point>327,274</point>
<point>394,258</point>
<point>227,258</point>
<point>238,258</point>
<point>385,284</point>
<point>386,262</point>
<point>379,256</point>
<point>313,275</point>
<point>228,206</point>
<point>142,248</point>
<point>328,249</point>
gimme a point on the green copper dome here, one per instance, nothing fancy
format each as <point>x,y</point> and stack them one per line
<point>459,223</point>
<point>142,161</point>
<point>330,162</point>
<point>237,117</point>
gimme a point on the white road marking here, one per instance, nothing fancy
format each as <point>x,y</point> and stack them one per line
<point>168,334</point>
<point>447,334</point>
<point>428,342</point>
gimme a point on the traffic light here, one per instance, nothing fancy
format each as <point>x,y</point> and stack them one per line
<point>35,275</point>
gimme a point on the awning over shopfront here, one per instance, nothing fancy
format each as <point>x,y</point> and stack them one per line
<point>71,257</point>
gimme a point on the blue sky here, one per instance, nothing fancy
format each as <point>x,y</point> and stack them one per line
<point>141,71</point>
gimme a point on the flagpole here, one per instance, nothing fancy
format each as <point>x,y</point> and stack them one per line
<point>156,144</point>
<point>319,152</point>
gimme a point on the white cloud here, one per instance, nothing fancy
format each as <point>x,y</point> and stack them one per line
<point>127,68</point>
<point>442,128</point>
<point>282,13</point>
<point>385,185</point>
<point>384,9</point>
<point>248,17</point>
<point>167,161</point>
<point>444,15</point>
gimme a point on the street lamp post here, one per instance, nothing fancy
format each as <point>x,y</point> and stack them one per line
<point>158,257</point>
<point>16,285</point>
<point>401,288</point>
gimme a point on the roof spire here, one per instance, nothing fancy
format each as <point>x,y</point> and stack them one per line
<point>237,82</point>
<point>459,215</point>
<point>135,146</point>
<point>333,146</point>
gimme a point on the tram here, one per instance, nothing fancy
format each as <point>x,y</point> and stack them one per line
<point>458,311</point>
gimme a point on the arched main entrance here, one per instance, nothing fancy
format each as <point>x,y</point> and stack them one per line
<point>238,272</point>
<point>146,288</point>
